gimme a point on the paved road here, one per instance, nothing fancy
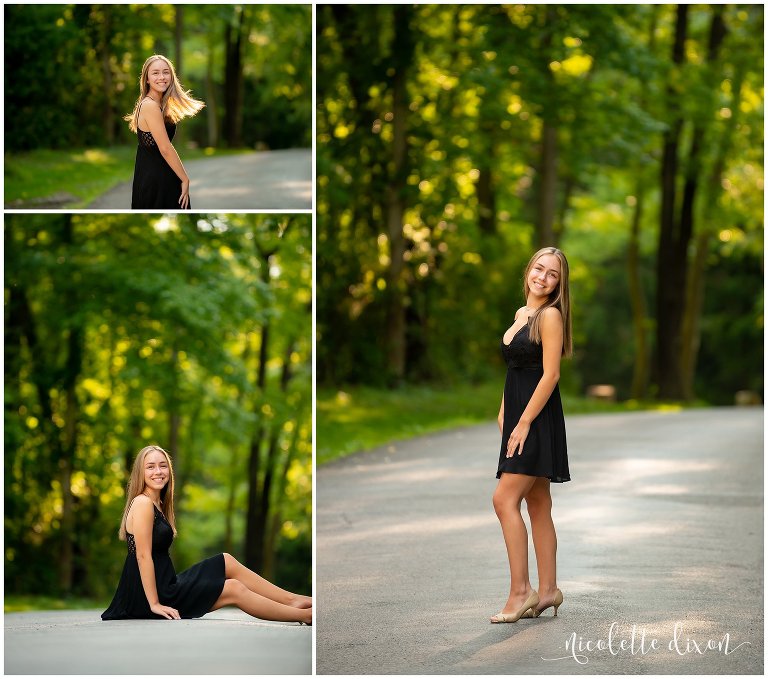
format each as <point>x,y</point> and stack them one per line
<point>662,525</point>
<point>280,180</point>
<point>226,641</point>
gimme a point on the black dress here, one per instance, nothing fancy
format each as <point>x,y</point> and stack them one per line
<point>155,185</point>
<point>192,593</point>
<point>545,452</point>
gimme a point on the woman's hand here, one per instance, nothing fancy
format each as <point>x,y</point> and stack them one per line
<point>184,198</point>
<point>517,438</point>
<point>165,611</point>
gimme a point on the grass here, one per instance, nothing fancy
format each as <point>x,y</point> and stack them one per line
<point>74,178</point>
<point>18,603</point>
<point>361,418</point>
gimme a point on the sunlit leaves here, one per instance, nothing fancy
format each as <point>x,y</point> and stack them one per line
<point>481,84</point>
<point>171,309</point>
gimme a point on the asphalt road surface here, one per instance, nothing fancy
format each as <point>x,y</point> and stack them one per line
<point>660,533</point>
<point>226,641</point>
<point>264,180</point>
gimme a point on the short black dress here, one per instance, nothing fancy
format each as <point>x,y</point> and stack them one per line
<point>155,185</point>
<point>545,452</point>
<point>192,593</point>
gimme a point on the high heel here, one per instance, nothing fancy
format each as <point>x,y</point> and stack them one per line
<point>556,603</point>
<point>530,604</point>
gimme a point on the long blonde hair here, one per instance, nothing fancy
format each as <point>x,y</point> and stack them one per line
<point>560,298</point>
<point>177,103</point>
<point>136,487</point>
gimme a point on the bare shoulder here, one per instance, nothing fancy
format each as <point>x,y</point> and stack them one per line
<point>519,311</point>
<point>141,508</point>
<point>142,500</point>
<point>552,318</point>
<point>150,108</point>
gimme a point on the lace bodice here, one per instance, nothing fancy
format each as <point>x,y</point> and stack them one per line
<point>148,141</point>
<point>162,535</point>
<point>521,352</point>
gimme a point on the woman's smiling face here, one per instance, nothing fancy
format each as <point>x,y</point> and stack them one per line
<point>156,472</point>
<point>159,75</point>
<point>544,276</point>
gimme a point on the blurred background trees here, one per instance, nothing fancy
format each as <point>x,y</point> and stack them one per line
<point>72,72</point>
<point>455,140</point>
<point>192,332</point>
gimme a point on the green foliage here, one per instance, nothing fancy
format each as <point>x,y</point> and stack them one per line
<point>76,177</point>
<point>361,418</point>
<point>72,72</point>
<point>483,82</point>
<point>122,331</point>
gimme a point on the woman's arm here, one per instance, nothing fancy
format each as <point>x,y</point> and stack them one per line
<point>143,520</point>
<point>154,118</point>
<point>552,348</point>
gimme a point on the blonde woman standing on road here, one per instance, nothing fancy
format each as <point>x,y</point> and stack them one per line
<point>533,444</point>
<point>160,181</point>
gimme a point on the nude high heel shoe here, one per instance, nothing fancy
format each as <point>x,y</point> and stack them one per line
<point>529,605</point>
<point>535,612</point>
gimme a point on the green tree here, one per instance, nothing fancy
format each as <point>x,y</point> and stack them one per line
<point>120,332</point>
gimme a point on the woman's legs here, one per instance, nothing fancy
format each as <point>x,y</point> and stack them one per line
<point>510,491</point>
<point>539,504</point>
<point>254,582</point>
<point>235,593</point>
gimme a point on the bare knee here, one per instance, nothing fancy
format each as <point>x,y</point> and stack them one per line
<point>230,565</point>
<point>538,504</point>
<point>498,502</point>
<point>233,590</point>
<point>504,502</point>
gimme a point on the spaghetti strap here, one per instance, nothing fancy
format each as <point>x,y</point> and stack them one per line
<point>138,110</point>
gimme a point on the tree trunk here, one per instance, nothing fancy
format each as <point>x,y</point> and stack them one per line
<point>260,532</point>
<point>547,196</point>
<point>672,248</point>
<point>106,69</point>
<point>641,367</point>
<point>402,54</point>
<point>210,100</point>
<point>637,299</point>
<point>233,78</point>
<point>695,281</point>
<point>253,530</point>
<point>253,554</point>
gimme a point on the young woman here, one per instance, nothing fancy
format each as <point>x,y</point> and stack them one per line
<point>159,179</point>
<point>149,586</point>
<point>533,445</point>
